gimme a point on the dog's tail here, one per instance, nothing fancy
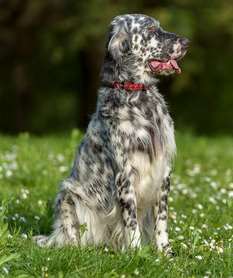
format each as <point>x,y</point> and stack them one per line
<point>66,226</point>
<point>41,240</point>
<point>58,238</point>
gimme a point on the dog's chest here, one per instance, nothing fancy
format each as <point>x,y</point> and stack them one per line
<point>150,176</point>
<point>151,147</point>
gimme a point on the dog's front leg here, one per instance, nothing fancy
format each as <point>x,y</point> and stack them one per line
<point>127,201</point>
<point>161,214</point>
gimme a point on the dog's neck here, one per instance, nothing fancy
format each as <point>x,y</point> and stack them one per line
<point>112,72</point>
<point>108,70</point>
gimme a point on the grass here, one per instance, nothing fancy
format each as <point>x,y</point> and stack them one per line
<point>200,214</point>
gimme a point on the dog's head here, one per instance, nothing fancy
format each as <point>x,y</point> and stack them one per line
<point>142,50</point>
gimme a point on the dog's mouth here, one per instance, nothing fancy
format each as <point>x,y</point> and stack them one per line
<point>168,66</point>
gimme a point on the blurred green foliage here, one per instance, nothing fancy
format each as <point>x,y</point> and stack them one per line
<point>51,51</point>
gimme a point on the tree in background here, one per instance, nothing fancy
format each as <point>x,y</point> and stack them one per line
<point>51,51</point>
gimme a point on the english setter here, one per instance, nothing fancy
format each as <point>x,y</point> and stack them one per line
<point>117,192</point>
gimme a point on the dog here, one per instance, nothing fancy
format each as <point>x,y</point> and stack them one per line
<point>117,192</point>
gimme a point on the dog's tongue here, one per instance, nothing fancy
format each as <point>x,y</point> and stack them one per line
<point>155,64</point>
<point>175,66</point>
<point>169,65</point>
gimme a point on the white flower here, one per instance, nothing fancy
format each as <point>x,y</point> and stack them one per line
<point>13,166</point>
<point>227,227</point>
<point>22,219</point>
<point>24,236</point>
<point>219,249</point>
<point>184,245</point>
<point>10,156</point>
<point>212,200</point>
<point>212,244</point>
<point>44,268</point>
<point>185,191</point>
<point>223,190</point>
<point>213,184</point>
<point>230,194</point>
<point>60,157</point>
<point>24,196</point>
<point>193,195</point>
<point>24,193</point>
<point>231,185</point>
<point>198,257</point>
<point>177,229</point>
<point>40,203</point>
<point>6,270</point>
<point>63,169</point>
<point>207,179</point>
<point>200,206</point>
<point>224,201</point>
<point>8,173</point>
<point>194,211</point>
<point>194,171</point>
<point>173,215</point>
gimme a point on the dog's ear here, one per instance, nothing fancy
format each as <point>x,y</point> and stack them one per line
<point>118,44</point>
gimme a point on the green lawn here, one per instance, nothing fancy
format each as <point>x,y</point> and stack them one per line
<point>201,213</point>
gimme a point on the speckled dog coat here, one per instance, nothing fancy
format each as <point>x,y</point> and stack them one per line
<point>118,189</point>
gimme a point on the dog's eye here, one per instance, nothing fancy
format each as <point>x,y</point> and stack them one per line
<point>152,28</point>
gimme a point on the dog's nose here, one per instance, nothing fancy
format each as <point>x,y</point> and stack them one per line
<point>184,43</point>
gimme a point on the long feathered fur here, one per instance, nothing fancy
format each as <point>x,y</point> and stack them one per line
<point>117,191</point>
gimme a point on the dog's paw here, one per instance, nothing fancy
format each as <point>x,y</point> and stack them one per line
<point>133,240</point>
<point>135,244</point>
<point>167,251</point>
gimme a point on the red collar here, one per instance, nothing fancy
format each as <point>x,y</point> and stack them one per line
<point>128,86</point>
